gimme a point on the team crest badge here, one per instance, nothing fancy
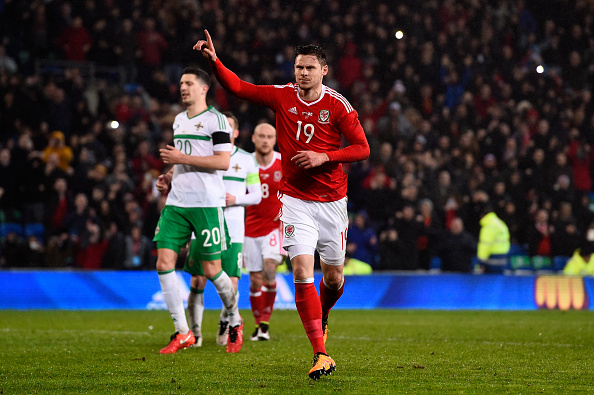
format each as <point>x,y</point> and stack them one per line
<point>289,230</point>
<point>277,176</point>
<point>324,116</point>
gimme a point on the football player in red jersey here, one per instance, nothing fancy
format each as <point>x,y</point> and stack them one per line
<point>262,250</point>
<point>311,119</point>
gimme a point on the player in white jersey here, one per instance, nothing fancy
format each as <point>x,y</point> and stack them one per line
<point>242,185</point>
<point>201,151</point>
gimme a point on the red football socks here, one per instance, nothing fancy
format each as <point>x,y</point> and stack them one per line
<point>310,312</point>
<point>268,297</point>
<point>257,302</point>
<point>329,297</point>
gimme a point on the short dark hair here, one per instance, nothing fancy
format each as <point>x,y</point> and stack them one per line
<point>229,114</point>
<point>312,49</point>
<point>199,73</point>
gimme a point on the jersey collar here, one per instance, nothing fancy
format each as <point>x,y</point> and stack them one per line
<point>312,102</point>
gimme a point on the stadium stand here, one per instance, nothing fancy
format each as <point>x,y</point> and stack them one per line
<point>474,95</point>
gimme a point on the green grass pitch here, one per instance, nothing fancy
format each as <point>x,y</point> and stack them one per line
<point>376,351</point>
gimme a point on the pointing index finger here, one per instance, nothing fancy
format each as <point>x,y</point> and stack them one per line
<point>208,38</point>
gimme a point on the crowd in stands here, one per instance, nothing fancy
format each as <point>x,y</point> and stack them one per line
<point>455,110</point>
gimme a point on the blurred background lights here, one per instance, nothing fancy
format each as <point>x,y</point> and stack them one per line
<point>399,34</point>
<point>539,69</point>
<point>114,124</point>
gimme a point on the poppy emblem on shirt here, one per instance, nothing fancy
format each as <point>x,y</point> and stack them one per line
<point>289,230</point>
<point>324,116</point>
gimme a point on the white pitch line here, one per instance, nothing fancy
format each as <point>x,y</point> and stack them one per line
<point>96,331</point>
<point>350,338</point>
<point>413,340</point>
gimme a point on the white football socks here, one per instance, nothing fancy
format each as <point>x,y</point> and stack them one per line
<point>196,310</point>
<point>174,300</point>
<point>224,287</point>
<point>224,316</point>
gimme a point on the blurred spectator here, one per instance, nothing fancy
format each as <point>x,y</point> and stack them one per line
<point>13,251</point>
<point>77,218</point>
<point>409,227</point>
<point>540,235</point>
<point>75,40</point>
<point>456,248</point>
<point>566,238</point>
<point>126,50</point>
<point>581,263</point>
<point>57,207</point>
<point>494,241</point>
<point>427,241</point>
<point>390,249</point>
<point>362,240</point>
<point>580,155</point>
<point>151,45</point>
<point>8,187</point>
<point>114,256</point>
<point>356,267</point>
<point>349,67</point>
<point>143,161</point>
<point>91,248</point>
<point>139,249</point>
<point>58,148</point>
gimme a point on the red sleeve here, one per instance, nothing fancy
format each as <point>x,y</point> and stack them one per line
<point>231,82</point>
<point>358,148</point>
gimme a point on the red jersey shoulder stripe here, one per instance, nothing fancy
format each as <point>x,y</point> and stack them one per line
<point>288,85</point>
<point>341,98</point>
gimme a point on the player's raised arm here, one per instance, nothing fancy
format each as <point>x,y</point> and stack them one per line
<point>228,79</point>
<point>207,48</point>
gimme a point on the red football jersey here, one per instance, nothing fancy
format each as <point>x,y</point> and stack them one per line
<point>306,126</point>
<point>315,126</point>
<point>259,218</point>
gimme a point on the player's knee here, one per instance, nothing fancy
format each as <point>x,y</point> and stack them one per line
<point>269,274</point>
<point>164,265</point>
<point>255,280</point>
<point>198,282</point>
<point>211,268</point>
<point>333,279</point>
<point>166,259</point>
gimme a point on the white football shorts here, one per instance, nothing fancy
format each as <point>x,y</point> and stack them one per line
<point>256,249</point>
<point>310,225</point>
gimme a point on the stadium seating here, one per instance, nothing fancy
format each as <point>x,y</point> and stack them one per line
<point>542,264</point>
<point>559,263</point>
<point>10,227</point>
<point>35,229</point>
<point>521,264</point>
